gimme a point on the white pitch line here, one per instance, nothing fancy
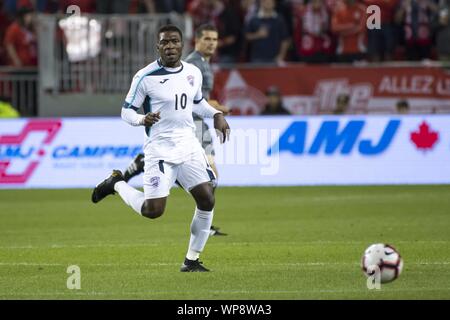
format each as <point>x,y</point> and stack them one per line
<point>82,246</point>
<point>37,264</point>
<point>376,197</point>
<point>153,244</point>
<point>288,264</point>
<point>187,293</point>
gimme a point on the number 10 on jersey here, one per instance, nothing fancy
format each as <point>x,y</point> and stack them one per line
<point>182,99</point>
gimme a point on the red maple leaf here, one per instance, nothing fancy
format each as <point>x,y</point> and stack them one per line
<point>424,138</point>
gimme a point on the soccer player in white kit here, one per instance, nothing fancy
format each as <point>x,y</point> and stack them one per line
<point>169,90</point>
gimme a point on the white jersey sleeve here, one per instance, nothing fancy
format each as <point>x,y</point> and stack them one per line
<point>201,107</point>
<point>131,117</point>
<point>199,95</point>
<point>204,110</point>
<point>136,95</point>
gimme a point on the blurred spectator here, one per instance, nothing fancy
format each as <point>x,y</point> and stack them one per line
<point>5,21</point>
<point>274,103</point>
<point>167,6</point>
<point>402,107</point>
<point>416,17</point>
<point>225,18</point>
<point>86,6</point>
<point>202,12</point>
<point>285,9</point>
<point>48,6</point>
<point>20,40</point>
<point>250,9</point>
<point>331,5</point>
<point>10,7</point>
<point>229,26</point>
<point>342,104</point>
<point>7,110</point>
<point>443,33</point>
<point>30,4</point>
<point>312,39</point>
<point>142,6</point>
<point>381,42</point>
<point>267,35</point>
<point>112,6</point>
<point>349,24</point>
<point>160,6</point>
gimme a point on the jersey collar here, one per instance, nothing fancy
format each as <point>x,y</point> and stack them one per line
<point>170,70</point>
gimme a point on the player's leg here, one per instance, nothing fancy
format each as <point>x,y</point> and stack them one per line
<point>135,168</point>
<point>159,177</point>
<point>195,176</point>
<point>206,141</point>
<point>116,183</point>
<point>153,208</point>
<point>150,203</point>
<point>203,195</point>
<point>200,226</point>
<point>215,230</point>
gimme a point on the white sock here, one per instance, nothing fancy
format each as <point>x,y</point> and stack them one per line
<point>130,195</point>
<point>200,227</point>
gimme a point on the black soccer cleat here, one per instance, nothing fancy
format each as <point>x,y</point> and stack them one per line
<point>193,266</point>
<point>106,187</point>
<point>214,231</point>
<point>135,168</point>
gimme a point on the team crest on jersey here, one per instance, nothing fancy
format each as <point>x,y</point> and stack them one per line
<point>154,181</point>
<point>190,80</point>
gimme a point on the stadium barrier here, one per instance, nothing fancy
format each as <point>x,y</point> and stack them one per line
<point>19,87</point>
<point>99,53</point>
<point>262,151</point>
<point>314,89</point>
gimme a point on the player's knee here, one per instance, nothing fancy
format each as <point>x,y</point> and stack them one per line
<point>152,211</point>
<point>207,202</point>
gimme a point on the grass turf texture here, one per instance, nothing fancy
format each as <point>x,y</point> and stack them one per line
<point>283,243</point>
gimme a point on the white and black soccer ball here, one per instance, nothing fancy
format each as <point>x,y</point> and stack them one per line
<point>386,258</point>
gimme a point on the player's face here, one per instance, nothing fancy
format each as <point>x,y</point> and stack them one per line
<point>170,47</point>
<point>207,44</point>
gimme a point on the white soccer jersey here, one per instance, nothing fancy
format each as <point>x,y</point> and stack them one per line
<point>172,92</point>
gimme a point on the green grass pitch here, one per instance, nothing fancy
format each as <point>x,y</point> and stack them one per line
<point>283,243</point>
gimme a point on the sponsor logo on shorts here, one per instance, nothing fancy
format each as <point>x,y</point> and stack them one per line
<point>154,182</point>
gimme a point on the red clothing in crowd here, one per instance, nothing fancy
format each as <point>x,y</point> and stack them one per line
<point>24,4</point>
<point>387,9</point>
<point>312,31</point>
<point>4,23</point>
<point>349,24</point>
<point>24,42</point>
<point>417,29</point>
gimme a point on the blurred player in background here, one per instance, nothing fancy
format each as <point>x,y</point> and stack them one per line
<point>169,91</point>
<point>206,40</point>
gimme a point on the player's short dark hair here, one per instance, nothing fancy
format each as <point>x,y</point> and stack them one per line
<point>170,28</point>
<point>204,27</point>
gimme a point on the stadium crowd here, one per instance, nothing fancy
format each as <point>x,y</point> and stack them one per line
<point>266,31</point>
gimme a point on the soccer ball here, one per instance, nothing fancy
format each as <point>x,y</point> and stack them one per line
<point>386,258</point>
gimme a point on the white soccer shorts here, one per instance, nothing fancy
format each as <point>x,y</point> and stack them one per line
<point>160,176</point>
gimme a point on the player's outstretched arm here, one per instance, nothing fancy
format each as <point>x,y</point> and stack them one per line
<point>216,105</point>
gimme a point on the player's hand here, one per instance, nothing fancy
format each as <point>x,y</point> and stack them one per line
<point>151,118</point>
<point>216,105</point>
<point>222,127</point>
